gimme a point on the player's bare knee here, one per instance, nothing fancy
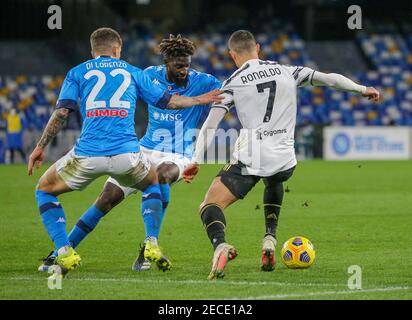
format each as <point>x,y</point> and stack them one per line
<point>163,178</point>
<point>44,185</point>
<point>207,200</point>
<point>38,187</point>
<point>205,204</point>
<point>221,200</point>
<point>167,172</point>
<point>109,198</point>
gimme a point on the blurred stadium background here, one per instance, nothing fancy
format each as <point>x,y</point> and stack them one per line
<point>34,60</point>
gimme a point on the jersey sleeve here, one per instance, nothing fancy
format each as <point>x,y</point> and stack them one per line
<point>150,92</point>
<point>207,133</point>
<point>69,93</point>
<point>337,81</point>
<point>303,75</point>
<point>228,100</point>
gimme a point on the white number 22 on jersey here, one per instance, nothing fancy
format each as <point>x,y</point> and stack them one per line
<point>115,101</point>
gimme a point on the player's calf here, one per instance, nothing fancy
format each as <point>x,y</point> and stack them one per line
<point>53,218</point>
<point>214,222</point>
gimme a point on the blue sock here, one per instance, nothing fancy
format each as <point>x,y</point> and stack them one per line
<point>152,210</point>
<point>165,191</point>
<point>53,218</point>
<point>87,222</point>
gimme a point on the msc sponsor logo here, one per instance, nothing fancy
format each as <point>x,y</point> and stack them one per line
<point>107,113</point>
<point>167,116</point>
<point>268,133</point>
<point>341,143</point>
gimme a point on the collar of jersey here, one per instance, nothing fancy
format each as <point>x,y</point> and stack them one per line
<point>249,61</point>
<point>99,57</point>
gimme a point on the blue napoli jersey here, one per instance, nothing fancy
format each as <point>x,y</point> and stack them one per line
<point>107,90</point>
<point>170,130</point>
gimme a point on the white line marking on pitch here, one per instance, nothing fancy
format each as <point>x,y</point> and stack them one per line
<point>240,283</point>
<point>201,282</point>
<point>323,293</point>
<point>219,282</point>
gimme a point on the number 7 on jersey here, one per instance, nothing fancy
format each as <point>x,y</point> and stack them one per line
<point>271,85</point>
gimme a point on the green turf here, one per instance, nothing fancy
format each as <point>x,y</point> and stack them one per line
<point>357,213</point>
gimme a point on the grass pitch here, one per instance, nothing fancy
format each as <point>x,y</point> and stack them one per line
<point>355,213</point>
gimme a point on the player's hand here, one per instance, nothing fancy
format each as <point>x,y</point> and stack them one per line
<point>190,172</point>
<point>213,96</point>
<point>36,158</point>
<point>372,94</point>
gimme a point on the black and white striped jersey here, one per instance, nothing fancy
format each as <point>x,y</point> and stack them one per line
<point>264,95</point>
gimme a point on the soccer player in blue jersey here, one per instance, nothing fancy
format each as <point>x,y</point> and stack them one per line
<point>164,144</point>
<point>107,89</point>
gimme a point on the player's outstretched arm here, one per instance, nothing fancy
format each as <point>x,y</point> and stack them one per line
<point>340,82</point>
<point>182,102</point>
<point>56,122</point>
<point>206,136</point>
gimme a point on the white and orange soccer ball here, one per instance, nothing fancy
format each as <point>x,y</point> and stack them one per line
<point>298,253</point>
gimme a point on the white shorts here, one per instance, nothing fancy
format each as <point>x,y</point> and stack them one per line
<point>78,171</point>
<point>156,158</point>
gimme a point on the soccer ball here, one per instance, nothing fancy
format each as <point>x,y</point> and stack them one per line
<point>298,253</point>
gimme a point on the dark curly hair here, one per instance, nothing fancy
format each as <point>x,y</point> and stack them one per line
<point>176,46</point>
